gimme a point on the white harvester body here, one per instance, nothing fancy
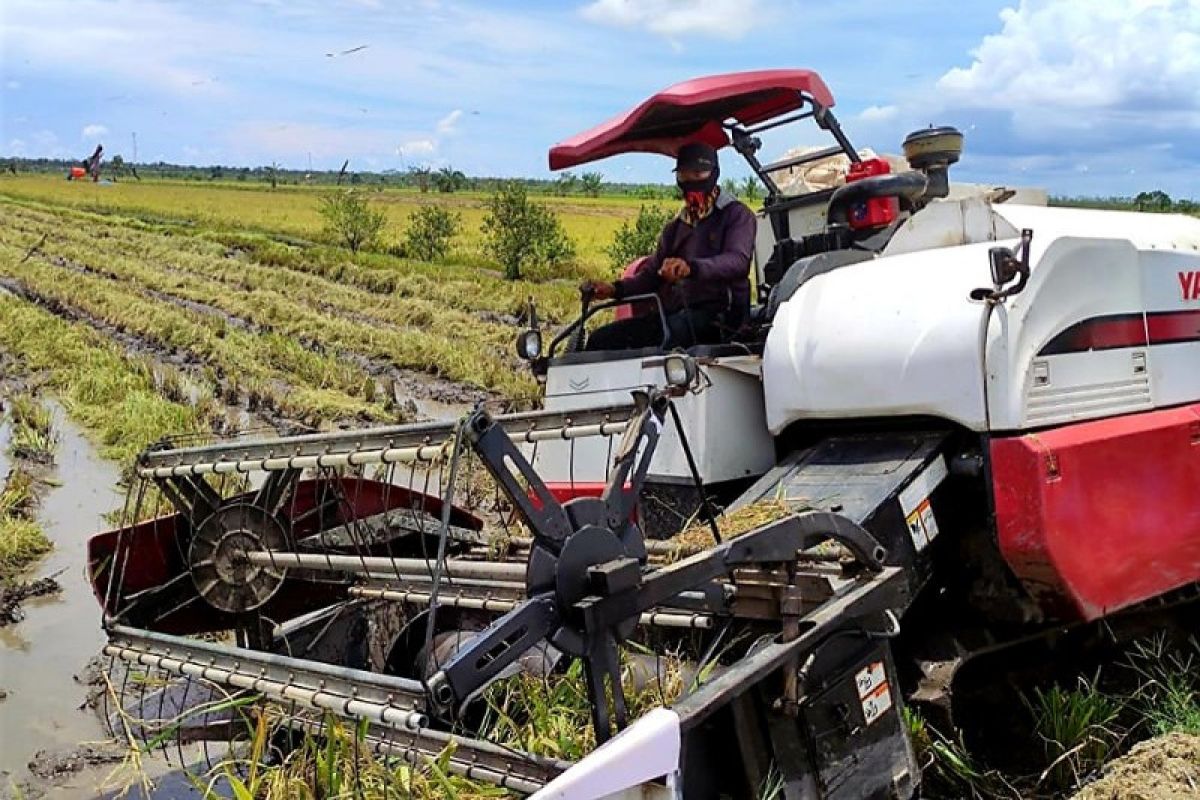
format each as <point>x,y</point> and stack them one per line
<point>898,335</point>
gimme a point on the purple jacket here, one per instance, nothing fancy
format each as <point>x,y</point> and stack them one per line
<point>718,250</point>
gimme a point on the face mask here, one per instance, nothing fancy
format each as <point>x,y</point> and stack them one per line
<point>696,193</point>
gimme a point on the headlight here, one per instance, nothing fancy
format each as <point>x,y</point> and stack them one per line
<point>680,370</point>
<point>529,344</point>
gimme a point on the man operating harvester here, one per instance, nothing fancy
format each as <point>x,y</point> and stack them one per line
<point>700,270</point>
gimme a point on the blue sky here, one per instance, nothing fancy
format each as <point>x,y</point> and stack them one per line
<point>1086,97</point>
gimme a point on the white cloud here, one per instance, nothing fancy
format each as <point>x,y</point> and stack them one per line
<point>449,124</point>
<point>878,113</point>
<point>417,147</point>
<point>1058,58</point>
<point>118,40</point>
<point>40,144</point>
<point>93,131</point>
<point>721,19</point>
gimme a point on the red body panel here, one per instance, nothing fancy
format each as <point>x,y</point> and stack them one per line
<point>152,553</point>
<point>632,309</point>
<point>693,111</point>
<point>876,212</point>
<point>1097,516</point>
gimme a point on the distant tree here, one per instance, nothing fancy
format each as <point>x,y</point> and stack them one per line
<point>750,189</point>
<point>420,176</point>
<point>565,183</point>
<point>448,179</point>
<point>730,186</point>
<point>518,233</point>
<point>273,174</point>
<point>640,238</point>
<point>355,179</point>
<point>350,219</point>
<point>1157,200</point>
<point>591,182</point>
<point>430,229</point>
<point>216,173</point>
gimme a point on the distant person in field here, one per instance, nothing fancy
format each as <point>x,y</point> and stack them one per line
<point>700,270</point>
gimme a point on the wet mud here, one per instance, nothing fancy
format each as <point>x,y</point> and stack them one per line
<point>41,719</point>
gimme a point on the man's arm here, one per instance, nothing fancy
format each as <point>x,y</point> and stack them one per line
<point>646,280</point>
<point>733,262</point>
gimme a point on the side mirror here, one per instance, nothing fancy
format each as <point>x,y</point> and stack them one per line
<point>529,344</point>
<point>1007,265</point>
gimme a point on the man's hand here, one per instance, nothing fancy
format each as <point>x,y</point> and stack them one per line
<point>599,289</point>
<point>673,269</point>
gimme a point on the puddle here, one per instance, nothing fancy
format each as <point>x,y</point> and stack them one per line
<point>40,656</point>
<point>440,411</point>
<point>5,463</point>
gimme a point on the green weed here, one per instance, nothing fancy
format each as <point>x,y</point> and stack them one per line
<point>1079,729</point>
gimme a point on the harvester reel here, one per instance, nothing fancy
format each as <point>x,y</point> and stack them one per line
<point>223,575</point>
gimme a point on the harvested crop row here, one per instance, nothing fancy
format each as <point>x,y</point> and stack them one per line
<point>114,397</point>
<point>449,286</point>
<point>301,384</point>
<point>31,445</point>
<point>407,333</point>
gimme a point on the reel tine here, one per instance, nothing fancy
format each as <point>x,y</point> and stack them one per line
<point>187,687</point>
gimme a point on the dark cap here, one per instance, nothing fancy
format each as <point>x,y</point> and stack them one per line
<point>697,156</point>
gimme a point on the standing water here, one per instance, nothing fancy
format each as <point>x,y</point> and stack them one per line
<point>40,656</point>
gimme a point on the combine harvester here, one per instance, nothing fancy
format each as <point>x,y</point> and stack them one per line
<point>980,417</point>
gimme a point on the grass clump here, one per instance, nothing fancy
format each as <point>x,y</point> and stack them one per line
<point>430,231</point>
<point>351,220</point>
<point>1079,730</point>
<point>638,237</point>
<point>22,542</point>
<point>948,769</point>
<point>519,233</point>
<point>1168,694</point>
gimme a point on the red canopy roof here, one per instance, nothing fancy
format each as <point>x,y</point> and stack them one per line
<point>693,111</point>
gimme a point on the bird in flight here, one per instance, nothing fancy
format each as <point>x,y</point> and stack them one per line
<point>348,52</point>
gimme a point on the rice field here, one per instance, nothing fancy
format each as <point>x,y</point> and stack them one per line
<point>293,210</point>
<point>210,287</point>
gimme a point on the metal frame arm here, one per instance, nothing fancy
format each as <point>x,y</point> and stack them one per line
<point>780,541</point>
<point>505,640</point>
<point>646,426</point>
<point>546,518</point>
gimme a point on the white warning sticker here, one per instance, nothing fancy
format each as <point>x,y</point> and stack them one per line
<point>873,692</point>
<point>876,704</point>
<point>870,678</point>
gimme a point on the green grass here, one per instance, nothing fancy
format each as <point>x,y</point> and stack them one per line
<point>22,542</point>
<point>1079,728</point>
<point>1168,694</point>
